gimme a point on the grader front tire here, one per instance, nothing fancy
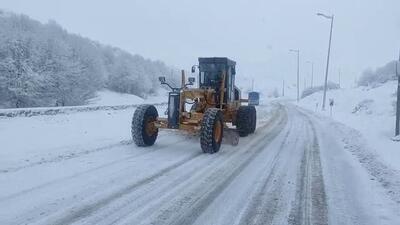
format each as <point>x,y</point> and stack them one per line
<point>144,133</point>
<point>211,132</point>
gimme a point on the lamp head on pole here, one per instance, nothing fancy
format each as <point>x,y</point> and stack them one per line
<point>325,16</point>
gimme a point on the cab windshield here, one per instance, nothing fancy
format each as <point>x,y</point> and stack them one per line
<point>211,74</point>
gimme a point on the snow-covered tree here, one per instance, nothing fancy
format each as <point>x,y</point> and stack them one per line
<point>381,75</point>
<point>44,65</point>
<point>311,90</point>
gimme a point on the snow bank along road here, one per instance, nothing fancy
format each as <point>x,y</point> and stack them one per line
<point>294,170</point>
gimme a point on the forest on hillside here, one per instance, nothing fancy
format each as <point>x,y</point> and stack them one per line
<point>44,65</point>
<point>380,75</point>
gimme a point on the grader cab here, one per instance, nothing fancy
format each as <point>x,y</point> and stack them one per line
<point>211,109</point>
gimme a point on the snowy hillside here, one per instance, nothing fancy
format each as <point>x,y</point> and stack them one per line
<point>43,65</point>
<point>370,111</point>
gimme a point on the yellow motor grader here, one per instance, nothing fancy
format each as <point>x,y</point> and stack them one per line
<point>212,109</point>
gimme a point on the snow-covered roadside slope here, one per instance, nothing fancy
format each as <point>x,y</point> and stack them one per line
<point>106,97</point>
<point>105,100</point>
<point>370,112</point>
<point>110,98</point>
<point>35,136</point>
<point>30,141</point>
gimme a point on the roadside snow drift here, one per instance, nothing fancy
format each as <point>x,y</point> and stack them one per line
<point>370,111</point>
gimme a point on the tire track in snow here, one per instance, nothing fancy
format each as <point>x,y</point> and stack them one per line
<point>103,166</point>
<point>64,157</point>
<point>310,205</point>
<point>74,155</point>
<point>265,202</point>
<point>191,206</point>
<point>143,204</point>
<point>77,213</point>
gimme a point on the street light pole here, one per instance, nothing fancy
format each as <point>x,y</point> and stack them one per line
<point>397,132</point>
<point>312,73</point>
<point>327,60</point>
<point>298,72</point>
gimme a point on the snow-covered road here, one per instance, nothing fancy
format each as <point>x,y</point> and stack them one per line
<point>294,170</point>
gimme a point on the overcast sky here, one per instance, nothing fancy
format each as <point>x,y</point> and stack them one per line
<point>256,33</point>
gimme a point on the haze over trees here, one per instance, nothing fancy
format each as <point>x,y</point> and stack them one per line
<point>44,65</point>
<point>378,76</point>
<point>311,90</point>
<point>369,77</point>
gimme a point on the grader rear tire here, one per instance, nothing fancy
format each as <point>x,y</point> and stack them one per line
<point>243,121</point>
<point>144,133</point>
<point>212,129</point>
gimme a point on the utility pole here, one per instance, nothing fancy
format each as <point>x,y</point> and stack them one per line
<point>252,84</point>
<point>339,78</point>
<point>327,60</point>
<point>397,132</point>
<point>298,75</point>
<point>298,72</point>
<point>312,73</point>
<point>283,88</point>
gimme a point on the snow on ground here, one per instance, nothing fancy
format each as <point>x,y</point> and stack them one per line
<point>82,168</point>
<point>360,189</point>
<point>58,133</point>
<point>34,140</point>
<point>366,126</point>
<point>364,119</point>
<point>111,98</point>
<point>105,100</point>
<point>370,111</point>
<point>107,97</point>
<point>30,141</point>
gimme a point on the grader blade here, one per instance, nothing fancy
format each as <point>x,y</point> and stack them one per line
<point>231,137</point>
